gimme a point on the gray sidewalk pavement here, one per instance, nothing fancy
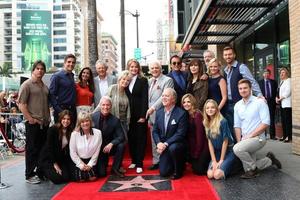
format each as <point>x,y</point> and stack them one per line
<point>271,184</point>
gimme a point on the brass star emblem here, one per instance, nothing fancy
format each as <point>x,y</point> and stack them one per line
<point>138,181</point>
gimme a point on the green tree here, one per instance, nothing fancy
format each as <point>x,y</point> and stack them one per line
<point>6,70</point>
<point>92,34</point>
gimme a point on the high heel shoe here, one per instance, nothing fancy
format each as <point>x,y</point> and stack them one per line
<point>287,140</point>
<point>282,138</point>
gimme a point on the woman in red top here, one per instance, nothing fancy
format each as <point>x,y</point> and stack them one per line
<point>85,91</point>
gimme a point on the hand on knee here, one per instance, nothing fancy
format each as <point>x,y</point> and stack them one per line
<point>219,174</point>
<point>210,174</point>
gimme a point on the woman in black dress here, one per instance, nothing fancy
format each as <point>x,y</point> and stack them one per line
<point>55,156</point>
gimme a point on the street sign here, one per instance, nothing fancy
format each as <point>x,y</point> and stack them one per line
<point>137,53</point>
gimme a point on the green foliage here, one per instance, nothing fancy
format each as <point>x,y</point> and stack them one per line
<point>6,70</point>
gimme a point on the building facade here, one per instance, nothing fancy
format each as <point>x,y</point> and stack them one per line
<point>66,25</point>
<point>264,34</point>
<point>108,52</point>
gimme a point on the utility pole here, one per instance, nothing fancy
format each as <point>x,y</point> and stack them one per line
<point>123,52</point>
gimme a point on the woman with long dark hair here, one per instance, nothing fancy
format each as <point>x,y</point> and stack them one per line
<point>85,91</point>
<point>55,156</point>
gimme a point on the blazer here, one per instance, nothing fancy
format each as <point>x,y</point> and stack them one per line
<point>154,98</point>
<point>97,95</point>
<point>274,86</point>
<point>286,92</point>
<point>200,91</point>
<point>52,152</point>
<point>180,92</point>
<point>138,99</point>
<point>112,133</point>
<point>176,129</point>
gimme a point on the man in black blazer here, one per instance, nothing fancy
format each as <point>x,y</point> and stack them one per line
<point>179,77</point>
<point>113,140</point>
<point>169,133</point>
<point>269,90</point>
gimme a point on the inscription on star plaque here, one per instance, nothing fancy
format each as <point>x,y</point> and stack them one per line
<point>136,184</point>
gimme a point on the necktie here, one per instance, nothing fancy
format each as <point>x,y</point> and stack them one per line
<point>268,94</point>
<point>153,84</point>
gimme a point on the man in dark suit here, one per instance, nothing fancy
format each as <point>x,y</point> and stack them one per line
<point>113,140</point>
<point>169,133</point>
<point>179,77</point>
<point>269,89</point>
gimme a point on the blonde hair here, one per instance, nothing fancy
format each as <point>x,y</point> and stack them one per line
<point>82,116</point>
<point>124,74</point>
<point>140,73</point>
<point>212,124</point>
<point>192,100</point>
<point>214,60</point>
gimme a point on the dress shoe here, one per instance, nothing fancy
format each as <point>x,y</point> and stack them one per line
<point>122,170</point>
<point>282,139</point>
<point>153,167</point>
<point>117,173</point>
<point>132,166</point>
<point>175,176</point>
<point>287,141</point>
<point>274,160</point>
<point>139,170</point>
<point>250,174</point>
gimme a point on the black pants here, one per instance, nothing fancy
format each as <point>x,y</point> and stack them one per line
<point>272,108</point>
<point>118,152</point>
<point>286,121</point>
<point>172,160</point>
<point>35,140</point>
<point>137,139</point>
<point>56,178</point>
<point>200,165</point>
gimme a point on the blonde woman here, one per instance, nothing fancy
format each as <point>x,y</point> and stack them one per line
<point>285,101</point>
<point>220,141</point>
<point>85,146</point>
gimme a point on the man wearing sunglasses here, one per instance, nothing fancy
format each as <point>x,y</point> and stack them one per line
<point>179,77</point>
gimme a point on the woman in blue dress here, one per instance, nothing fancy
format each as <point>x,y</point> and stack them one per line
<point>220,141</point>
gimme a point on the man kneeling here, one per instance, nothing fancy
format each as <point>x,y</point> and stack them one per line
<point>113,140</point>
<point>169,132</point>
<point>251,119</point>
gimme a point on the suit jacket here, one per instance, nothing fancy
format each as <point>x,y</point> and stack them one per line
<point>273,84</point>
<point>97,95</point>
<point>180,92</point>
<point>138,99</point>
<point>52,152</point>
<point>112,133</point>
<point>155,93</point>
<point>176,129</point>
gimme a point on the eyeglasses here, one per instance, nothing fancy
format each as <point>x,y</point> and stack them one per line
<point>176,63</point>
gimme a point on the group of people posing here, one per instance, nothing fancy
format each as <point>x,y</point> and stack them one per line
<point>202,116</point>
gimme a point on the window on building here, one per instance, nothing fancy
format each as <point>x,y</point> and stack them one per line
<point>59,24</point>
<point>57,7</point>
<point>60,48</point>
<point>60,32</point>
<point>59,40</point>
<point>59,57</point>
<point>59,16</point>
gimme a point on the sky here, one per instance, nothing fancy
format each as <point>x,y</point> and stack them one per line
<point>150,12</point>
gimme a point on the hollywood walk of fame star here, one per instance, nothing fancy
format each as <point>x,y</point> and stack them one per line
<point>138,181</point>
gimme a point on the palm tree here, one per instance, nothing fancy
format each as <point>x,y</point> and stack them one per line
<point>6,70</point>
<point>92,35</point>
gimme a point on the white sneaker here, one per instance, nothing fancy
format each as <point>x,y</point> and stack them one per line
<point>139,170</point>
<point>33,180</point>
<point>131,166</point>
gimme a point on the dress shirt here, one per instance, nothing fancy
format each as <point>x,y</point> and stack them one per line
<point>103,85</point>
<point>62,90</point>
<point>85,147</point>
<point>246,73</point>
<point>178,76</point>
<point>167,117</point>
<point>132,82</point>
<point>249,115</point>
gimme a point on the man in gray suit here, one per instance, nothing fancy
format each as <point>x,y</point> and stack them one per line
<point>102,82</point>
<point>157,84</point>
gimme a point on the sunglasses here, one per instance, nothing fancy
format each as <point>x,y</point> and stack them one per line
<point>176,63</point>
